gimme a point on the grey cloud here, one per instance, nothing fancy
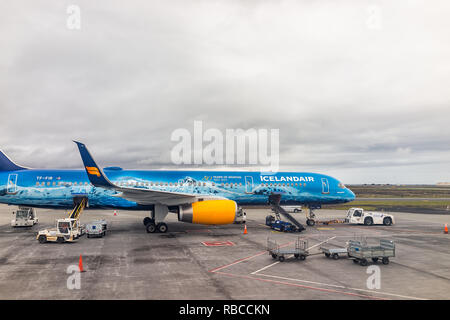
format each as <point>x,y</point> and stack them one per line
<point>343,95</point>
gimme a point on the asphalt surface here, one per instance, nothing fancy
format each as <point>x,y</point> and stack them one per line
<point>130,264</point>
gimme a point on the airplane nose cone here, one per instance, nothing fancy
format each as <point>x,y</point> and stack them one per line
<point>350,195</point>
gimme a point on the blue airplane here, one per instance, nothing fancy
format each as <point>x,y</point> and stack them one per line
<point>203,197</point>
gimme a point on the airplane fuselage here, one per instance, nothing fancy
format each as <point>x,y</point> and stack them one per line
<point>57,188</point>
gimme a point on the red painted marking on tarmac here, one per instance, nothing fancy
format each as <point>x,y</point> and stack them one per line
<point>218,243</point>
<point>302,286</point>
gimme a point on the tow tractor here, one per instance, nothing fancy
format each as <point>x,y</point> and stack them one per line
<point>368,218</point>
<point>24,217</point>
<point>67,230</point>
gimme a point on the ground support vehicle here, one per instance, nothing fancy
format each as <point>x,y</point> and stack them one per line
<point>299,251</point>
<point>333,252</point>
<point>361,253</point>
<point>24,217</point>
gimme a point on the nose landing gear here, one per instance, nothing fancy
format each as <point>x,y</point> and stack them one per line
<point>310,216</point>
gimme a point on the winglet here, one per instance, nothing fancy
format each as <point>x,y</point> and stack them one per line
<point>95,174</point>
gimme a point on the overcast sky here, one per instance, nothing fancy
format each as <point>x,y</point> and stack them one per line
<point>359,89</point>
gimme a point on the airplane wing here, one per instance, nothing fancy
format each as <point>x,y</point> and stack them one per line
<point>138,195</point>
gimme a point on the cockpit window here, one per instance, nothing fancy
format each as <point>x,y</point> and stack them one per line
<point>341,185</point>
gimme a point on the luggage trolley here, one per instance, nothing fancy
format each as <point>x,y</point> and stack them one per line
<point>333,252</point>
<point>300,251</point>
<point>361,253</point>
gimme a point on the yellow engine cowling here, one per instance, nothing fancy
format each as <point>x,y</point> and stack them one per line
<point>208,212</point>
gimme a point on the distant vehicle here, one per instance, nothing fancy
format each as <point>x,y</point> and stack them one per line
<point>67,230</point>
<point>294,209</point>
<point>241,216</point>
<point>24,217</point>
<point>368,218</point>
<point>96,229</point>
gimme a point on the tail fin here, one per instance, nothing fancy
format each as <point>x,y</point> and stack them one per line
<point>6,163</point>
<point>95,174</point>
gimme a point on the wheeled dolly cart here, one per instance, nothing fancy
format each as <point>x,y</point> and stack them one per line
<point>334,252</point>
<point>299,251</point>
<point>362,253</point>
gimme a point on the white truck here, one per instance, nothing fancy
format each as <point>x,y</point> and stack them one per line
<point>241,216</point>
<point>368,218</point>
<point>24,217</point>
<point>293,209</point>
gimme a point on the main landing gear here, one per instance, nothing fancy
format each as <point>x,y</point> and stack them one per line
<point>158,214</point>
<point>152,227</point>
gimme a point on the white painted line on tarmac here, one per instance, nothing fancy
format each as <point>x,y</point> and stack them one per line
<point>264,268</point>
<point>321,242</point>
<point>270,265</point>
<point>342,287</point>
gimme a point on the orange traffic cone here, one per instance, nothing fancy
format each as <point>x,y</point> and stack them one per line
<point>115,212</point>
<point>446,229</point>
<point>80,264</point>
<point>245,229</point>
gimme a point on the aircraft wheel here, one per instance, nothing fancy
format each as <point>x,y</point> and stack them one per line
<point>162,227</point>
<point>310,222</point>
<point>150,227</point>
<point>42,239</point>
<point>147,220</point>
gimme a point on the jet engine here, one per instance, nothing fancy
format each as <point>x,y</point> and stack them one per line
<point>208,212</point>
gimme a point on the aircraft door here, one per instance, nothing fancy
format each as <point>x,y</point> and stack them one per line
<point>11,187</point>
<point>325,186</point>
<point>248,184</point>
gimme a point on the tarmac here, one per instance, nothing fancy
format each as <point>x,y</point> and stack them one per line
<point>221,262</point>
